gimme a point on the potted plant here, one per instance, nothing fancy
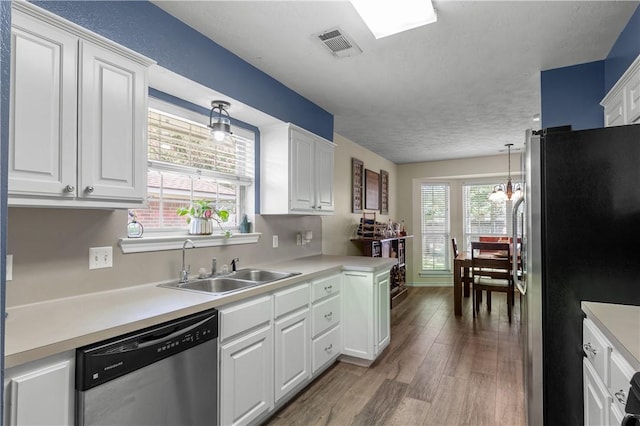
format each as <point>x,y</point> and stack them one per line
<point>201,216</point>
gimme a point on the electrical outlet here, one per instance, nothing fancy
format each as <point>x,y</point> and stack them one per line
<point>100,257</point>
<point>9,270</point>
<point>298,239</point>
<point>275,241</point>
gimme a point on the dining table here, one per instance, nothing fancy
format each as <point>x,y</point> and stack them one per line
<point>462,277</point>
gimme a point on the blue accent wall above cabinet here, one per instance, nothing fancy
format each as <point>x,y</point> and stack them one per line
<point>572,95</point>
<point>147,29</point>
<point>624,51</point>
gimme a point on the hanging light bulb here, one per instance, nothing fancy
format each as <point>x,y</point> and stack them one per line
<point>220,123</point>
<point>502,192</point>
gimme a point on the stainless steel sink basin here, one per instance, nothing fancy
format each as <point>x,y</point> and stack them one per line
<point>216,285</point>
<point>260,275</point>
<point>235,281</point>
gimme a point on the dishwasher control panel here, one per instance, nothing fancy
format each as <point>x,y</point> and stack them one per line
<point>103,361</point>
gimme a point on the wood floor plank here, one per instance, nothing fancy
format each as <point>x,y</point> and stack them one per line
<point>409,412</point>
<point>382,404</point>
<point>479,406</point>
<point>446,406</point>
<point>427,379</point>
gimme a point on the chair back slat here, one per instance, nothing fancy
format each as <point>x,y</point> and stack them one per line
<point>491,259</point>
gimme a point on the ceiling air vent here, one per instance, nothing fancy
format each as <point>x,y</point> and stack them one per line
<point>339,43</point>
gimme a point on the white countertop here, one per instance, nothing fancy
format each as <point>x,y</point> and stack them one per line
<point>39,330</point>
<point>621,325</point>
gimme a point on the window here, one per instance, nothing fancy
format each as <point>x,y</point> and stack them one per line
<point>435,227</point>
<point>482,216</point>
<point>186,164</point>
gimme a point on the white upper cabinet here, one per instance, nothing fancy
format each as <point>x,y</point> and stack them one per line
<point>296,171</point>
<point>78,116</point>
<point>622,103</point>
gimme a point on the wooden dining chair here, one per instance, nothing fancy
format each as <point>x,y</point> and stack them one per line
<point>491,267</point>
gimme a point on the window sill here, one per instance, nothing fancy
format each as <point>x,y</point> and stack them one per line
<point>175,242</point>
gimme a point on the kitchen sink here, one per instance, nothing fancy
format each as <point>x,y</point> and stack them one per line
<point>260,275</point>
<point>235,281</point>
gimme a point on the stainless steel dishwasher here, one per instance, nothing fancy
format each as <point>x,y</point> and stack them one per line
<point>162,375</point>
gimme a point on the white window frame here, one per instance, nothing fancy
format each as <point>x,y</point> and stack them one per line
<point>169,239</point>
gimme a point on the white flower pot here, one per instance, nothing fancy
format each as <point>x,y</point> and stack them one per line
<point>200,226</point>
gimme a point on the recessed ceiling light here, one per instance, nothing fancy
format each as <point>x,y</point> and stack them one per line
<point>385,18</point>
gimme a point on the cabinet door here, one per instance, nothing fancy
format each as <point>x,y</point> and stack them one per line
<point>383,312</point>
<point>614,111</point>
<point>632,93</point>
<point>596,401</point>
<point>246,377</point>
<point>292,356</point>
<point>43,396</point>
<point>302,169</point>
<point>42,130</point>
<point>358,315</point>
<point>324,183</point>
<point>113,117</point>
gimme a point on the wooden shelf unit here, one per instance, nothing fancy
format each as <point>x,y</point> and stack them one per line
<point>391,247</point>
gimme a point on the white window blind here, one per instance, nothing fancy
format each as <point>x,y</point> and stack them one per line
<point>435,227</point>
<point>482,216</point>
<point>186,164</point>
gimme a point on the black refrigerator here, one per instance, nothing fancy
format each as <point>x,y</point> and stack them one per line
<point>581,242</point>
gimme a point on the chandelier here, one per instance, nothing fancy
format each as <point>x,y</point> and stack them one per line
<point>502,192</point>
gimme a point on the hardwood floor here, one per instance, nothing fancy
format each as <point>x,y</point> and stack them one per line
<point>438,370</point>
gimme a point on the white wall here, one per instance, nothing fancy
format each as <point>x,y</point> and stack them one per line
<point>339,228</point>
<point>456,172</point>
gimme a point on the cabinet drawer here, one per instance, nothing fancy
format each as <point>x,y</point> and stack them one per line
<point>325,314</point>
<point>621,373</point>
<point>290,299</point>
<point>326,348</point>
<point>597,348</point>
<point>242,317</point>
<point>325,287</point>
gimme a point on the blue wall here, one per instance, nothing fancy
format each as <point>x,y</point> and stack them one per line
<point>147,29</point>
<point>572,95</point>
<point>624,51</point>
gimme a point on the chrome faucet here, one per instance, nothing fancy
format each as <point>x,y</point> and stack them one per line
<point>184,272</point>
<point>214,266</point>
<point>234,264</point>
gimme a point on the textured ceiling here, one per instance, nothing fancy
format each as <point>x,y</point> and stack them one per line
<point>462,87</point>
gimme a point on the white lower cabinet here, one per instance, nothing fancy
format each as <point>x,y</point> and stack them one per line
<point>326,315</point>
<point>292,339</point>
<point>366,314</point>
<point>596,399</point>
<point>246,361</point>
<point>606,375</point>
<point>41,392</point>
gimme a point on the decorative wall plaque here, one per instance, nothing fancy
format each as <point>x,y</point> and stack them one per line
<point>357,180</point>
<point>384,192</point>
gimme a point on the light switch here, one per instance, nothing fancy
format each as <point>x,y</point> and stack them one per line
<point>275,241</point>
<point>100,257</point>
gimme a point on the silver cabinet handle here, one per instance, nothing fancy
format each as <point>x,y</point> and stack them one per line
<point>328,316</point>
<point>89,189</point>
<point>69,188</point>
<point>621,396</point>
<point>319,207</point>
<point>589,349</point>
<point>329,348</point>
<point>328,288</point>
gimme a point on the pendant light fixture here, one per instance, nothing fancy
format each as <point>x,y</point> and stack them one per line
<point>219,120</point>
<point>502,192</point>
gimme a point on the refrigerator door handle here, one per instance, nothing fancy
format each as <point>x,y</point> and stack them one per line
<point>522,285</point>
